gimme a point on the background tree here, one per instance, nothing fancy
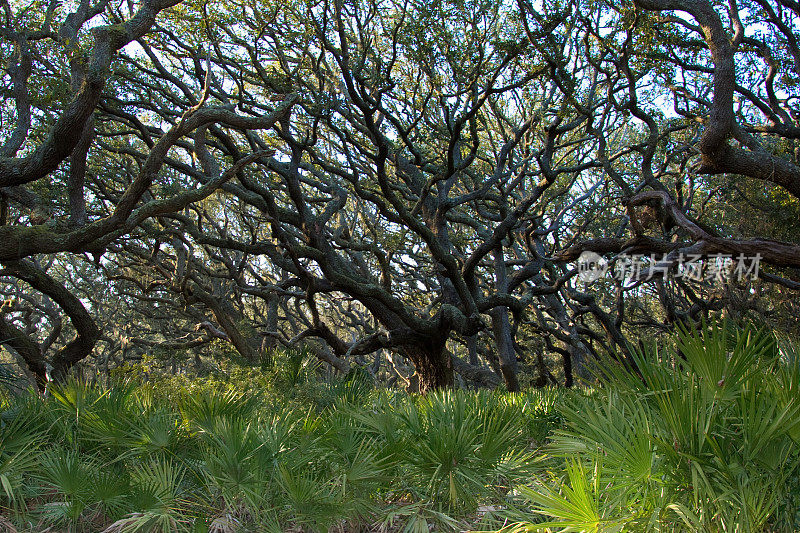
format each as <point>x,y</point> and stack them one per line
<point>443,166</point>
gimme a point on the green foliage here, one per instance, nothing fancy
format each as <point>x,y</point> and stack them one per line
<point>20,439</point>
<point>461,448</point>
<point>173,456</point>
<point>72,479</point>
<point>297,366</point>
<point>7,376</point>
<point>355,387</point>
<point>705,443</point>
<point>702,441</point>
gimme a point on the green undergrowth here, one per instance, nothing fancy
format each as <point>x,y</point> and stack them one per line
<point>700,437</point>
<point>204,457</point>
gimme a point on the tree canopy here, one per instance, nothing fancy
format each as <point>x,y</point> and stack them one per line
<point>410,182</point>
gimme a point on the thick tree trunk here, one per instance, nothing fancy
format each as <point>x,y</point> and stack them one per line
<point>27,349</point>
<point>76,349</point>
<point>472,348</point>
<point>541,380</point>
<point>568,379</point>
<point>77,176</point>
<point>580,361</point>
<point>501,325</point>
<point>432,363</point>
<point>270,343</point>
<point>504,343</point>
<point>480,376</point>
<point>226,316</point>
<point>86,330</point>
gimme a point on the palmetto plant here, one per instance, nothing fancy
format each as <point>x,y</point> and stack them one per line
<point>71,476</point>
<point>7,378</point>
<point>538,410</point>
<point>160,494</point>
<point>462,448</point>
<point>296,366</point>
<point>20,439</point>
<point>202,410</point>
<point>703,442</point>
<point>149,457</point>
<point>354,388</point>
<point>239,469</point>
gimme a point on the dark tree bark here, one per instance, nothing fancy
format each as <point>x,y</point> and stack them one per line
<point>86,331</point>
<point>501,325</point>
<point>432,362</point>
<point>26,348</point>
<point>226,316</point>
